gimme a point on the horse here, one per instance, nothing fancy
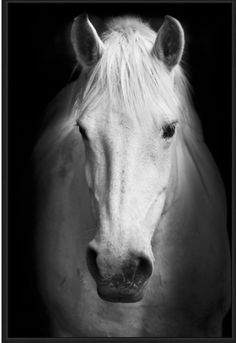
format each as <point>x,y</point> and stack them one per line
<point>131,217</point>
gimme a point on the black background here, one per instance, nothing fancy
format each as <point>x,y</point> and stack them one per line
<point>40,63</point>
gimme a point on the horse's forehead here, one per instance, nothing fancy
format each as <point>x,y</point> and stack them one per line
<point>133,106</point>
<point>149,119</point>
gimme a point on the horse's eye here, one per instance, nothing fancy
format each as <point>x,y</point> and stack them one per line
<point>83,132</point>
<point>168,130</point>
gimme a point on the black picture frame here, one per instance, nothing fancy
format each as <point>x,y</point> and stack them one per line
<point>37,62</point>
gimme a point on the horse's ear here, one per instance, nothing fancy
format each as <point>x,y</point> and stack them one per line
<point>169,44</point>
<point>87,45</point>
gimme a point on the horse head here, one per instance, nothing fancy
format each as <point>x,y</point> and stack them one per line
<point>128,117</point>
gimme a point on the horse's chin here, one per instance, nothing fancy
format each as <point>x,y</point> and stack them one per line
<point>120,296</point>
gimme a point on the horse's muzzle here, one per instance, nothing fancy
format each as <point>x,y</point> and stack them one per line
<point>126,286</point>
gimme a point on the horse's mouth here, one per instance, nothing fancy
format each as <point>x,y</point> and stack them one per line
<point>123,295</point>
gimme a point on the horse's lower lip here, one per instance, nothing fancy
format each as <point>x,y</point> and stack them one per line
<point>112,295</point>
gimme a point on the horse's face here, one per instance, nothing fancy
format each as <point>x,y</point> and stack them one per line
<point>127,169</point>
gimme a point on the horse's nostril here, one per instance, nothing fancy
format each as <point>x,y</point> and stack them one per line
<point>144,269</point>
<point>92,262</point>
